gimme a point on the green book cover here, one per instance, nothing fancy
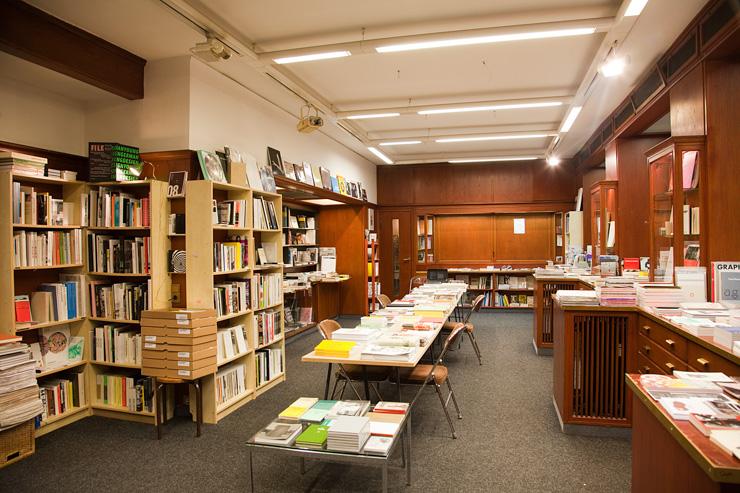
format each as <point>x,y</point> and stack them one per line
<point>326,405</point>
<point>313,435</point>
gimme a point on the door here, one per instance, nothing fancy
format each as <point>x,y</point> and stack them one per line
<point>394,230</point>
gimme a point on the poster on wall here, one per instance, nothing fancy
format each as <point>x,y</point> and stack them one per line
<point>371,219</point>
<point>519,227</point>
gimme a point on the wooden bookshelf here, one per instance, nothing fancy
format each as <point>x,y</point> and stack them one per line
<point>200,279</point>
<point>604,219</point>
<point>496,284</point>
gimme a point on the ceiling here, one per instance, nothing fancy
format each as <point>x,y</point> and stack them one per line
<point>560,71</point>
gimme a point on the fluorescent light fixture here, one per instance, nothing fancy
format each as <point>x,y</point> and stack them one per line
<point>574,111</point>
<point>492,159</point>
<point>613,66</point>
<point>635,8</point>
<point>312,57</point>
<point>323,202</point>
<point>553,160</point>
<point>493,107</point>
<point>382,156</point>
<point>400,143</point>
<point>372,115</point>
<point>493,137</point>
<point>494,38</point>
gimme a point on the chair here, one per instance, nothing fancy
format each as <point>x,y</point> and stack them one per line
<point>436,374</point>
<point>160,405</point>
<point>352,373</point>
<point>417,281</point>
<point>469,327</point>
<point>383,300</point>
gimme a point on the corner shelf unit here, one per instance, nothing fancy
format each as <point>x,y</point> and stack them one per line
<point>603,219</point>
<point>504,289</point>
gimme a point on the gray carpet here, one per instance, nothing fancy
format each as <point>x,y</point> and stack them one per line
<point>509,438</point>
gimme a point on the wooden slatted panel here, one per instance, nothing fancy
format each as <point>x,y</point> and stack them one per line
<point>548,289</point>
<point>599,365</point>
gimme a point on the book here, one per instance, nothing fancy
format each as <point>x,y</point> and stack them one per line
<point>726,283</point>
<point>211,167</point>
<point>176,183</point>
<point>679,408</point>
<point>316,172</point>
<point>689,170</point>
<point>289,170</point>
<point>276,161</point>
<point>55,343</point>
<point>378,445</point>
<point>297,408</point>
<point>325,178</point>
<point>313,437</point>
<point>22,305</point>
<point>391,407</point>
<point>329,348</point>
<point>715,376</point>
<point>318,412</point>
<point>266,177</point>
<point>253,172</point>
<point>307,174</point>
<point>727,440</point>
<point>278,433</point>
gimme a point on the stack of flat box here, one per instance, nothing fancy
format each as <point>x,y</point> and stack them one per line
<point>179,343</point>
<point>348,433</point>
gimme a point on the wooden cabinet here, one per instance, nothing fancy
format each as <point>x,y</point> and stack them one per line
<point>543,291</point>
<point>604,219</point>
<point>677,208</point>
<point>424,240</point>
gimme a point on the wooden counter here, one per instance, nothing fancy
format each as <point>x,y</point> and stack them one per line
<point>594,346</point>
<point>544,288</point>
<point>670,455</point>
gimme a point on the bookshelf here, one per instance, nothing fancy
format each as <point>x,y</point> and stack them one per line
<point>559,237</point>
<point>22,277</point>
<point>676,170</point>
<point>300,257</point>
<point>603,219</point>
<point>425,239</point>
<point>237,378</point>
<point>504,289</point>
<point>573,237</point>
<point>151,273</point>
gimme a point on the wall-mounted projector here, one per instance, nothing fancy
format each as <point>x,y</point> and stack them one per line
<point>212,50</point>
<point>309,122</point>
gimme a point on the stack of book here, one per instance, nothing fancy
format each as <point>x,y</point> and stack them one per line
<point>577,298</point>
<point>314,437</point>
<point>61,395</point>
<point>268,326</point>
<point>19,394</point>
<point>349,408</point>
<point>278,433</point>
<point>663,299</point>
<point>231,342</point>
<point>46,248</point>
<point>357,334</point>
<point>179,343</point>
<point>264,214</point>
<point>22,164</point>
<point>231,297</point>
<point>117,344</point>
<point>300,406</point>
<point>335,349</point>
<point>388,353</point>
<point>318,412</point>
<point>231,382</point>
<point>617,291</point>
<point>120,301</point>
<point>348,433</point>
<point>269,364</point>
<point>132,393</point>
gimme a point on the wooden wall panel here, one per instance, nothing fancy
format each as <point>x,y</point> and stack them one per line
<point>535,245</point>
<point>723,151</point>
<point>554,183</point>
<point>464,239</point>
<point>405,256</point>
<point>397,185</point>
<point>513,183</point>
<point>687,105</point>
<point>589,179</point>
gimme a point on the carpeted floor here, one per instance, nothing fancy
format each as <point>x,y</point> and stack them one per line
<point>509,438</point>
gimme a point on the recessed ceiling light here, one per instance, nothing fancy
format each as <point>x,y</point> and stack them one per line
<point>553,160</point>
<point>495,38</point>
<point>613,66</point>
<point>492,159</point>
<point>372,115</point>
<point>574,111</point>
<point>400,143</point>
<point>494,107</point>
<point>635,8</point>
<point>312,57</point>
<point>493,137</point>
<point>382,156</point>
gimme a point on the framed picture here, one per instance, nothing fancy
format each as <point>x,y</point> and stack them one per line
<point>353,189</point>
<point>276,161</point>
<point>289,170</point>
<point>210,166</point>
<point>299,174</point>
<point>308,172</point>
<point>176,183</point>
<point>266,177</point>
<point>325,178</point>
<point>364,195</point>
<point>316,169</point>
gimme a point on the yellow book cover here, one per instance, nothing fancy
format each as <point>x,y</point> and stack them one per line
<point>334,348</point>
<point>292,412</point>
<point>237,253</point>
<point>429,313</point>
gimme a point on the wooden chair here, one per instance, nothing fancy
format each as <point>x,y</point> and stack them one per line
<point>383,300</point>
<point>469,327</point>
<point>436,374</point>
<point>417,281</point>
<point>352,373</point>
<point>160,391</point>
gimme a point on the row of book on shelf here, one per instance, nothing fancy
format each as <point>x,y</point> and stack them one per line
<point>36,208</point>
<point>47,248</point>
<point>264,214</point>
<point>112,254</point>
<point>269,364</point>
<point>707,400</point>
<point>231,255</point>
<point>298,221</point>
<point>230,213</point>
<point>52,302</point>
<point>344,426</point>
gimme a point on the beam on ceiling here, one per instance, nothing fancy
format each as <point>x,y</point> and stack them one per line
<point>416,133</point>
<point>425,138</point>
<point>40,38</point>
<point>368,46</point>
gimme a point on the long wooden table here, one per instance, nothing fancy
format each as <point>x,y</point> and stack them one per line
<point>671,455</point>
<point>397,365</point>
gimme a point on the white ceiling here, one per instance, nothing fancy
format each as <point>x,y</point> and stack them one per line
<point>550,69</point>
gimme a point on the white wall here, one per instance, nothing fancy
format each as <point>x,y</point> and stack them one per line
<point>222,112</point>
<point>159,122</point>
<point>38,118</point>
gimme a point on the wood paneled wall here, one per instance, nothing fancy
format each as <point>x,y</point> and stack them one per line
<point>524,184</point>
<point>588,180</point>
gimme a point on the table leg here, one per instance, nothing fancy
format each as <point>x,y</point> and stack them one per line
<point>398,383</point>
<point>385,477</point>
<point>303,465</point>
<point>407,434</point>
<point>328,381</point>
<point>251,471</point>
<point>367,383</point>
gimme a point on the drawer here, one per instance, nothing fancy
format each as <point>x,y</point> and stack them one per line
<point>659,356</point>
<point>702,359</point>
<point>645,366</point>
<point>670,341</point>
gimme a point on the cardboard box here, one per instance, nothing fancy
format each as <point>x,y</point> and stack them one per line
<point>190,324</point>
<point>154,346</point>
<point>154,372</point>
<point>204,351</point>
<point>197,332</point>
<point>148,354</point>
<point>191,374</point>
<point>180,313</point>
<point>190,365</point>
<point>190,341</point>
<point>153,363</point>
<point>153,322</point>
<point>154,339</point>
<point>148,330</point>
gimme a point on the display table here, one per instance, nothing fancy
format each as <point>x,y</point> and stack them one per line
<point>670,455</point>
<point>327,297</point>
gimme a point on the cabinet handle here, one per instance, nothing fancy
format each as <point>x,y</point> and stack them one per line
<point>670,367</point>
<point>646,328</point>
<point>646,348</point>
<point>670,342</point>
<point>702,361</point>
